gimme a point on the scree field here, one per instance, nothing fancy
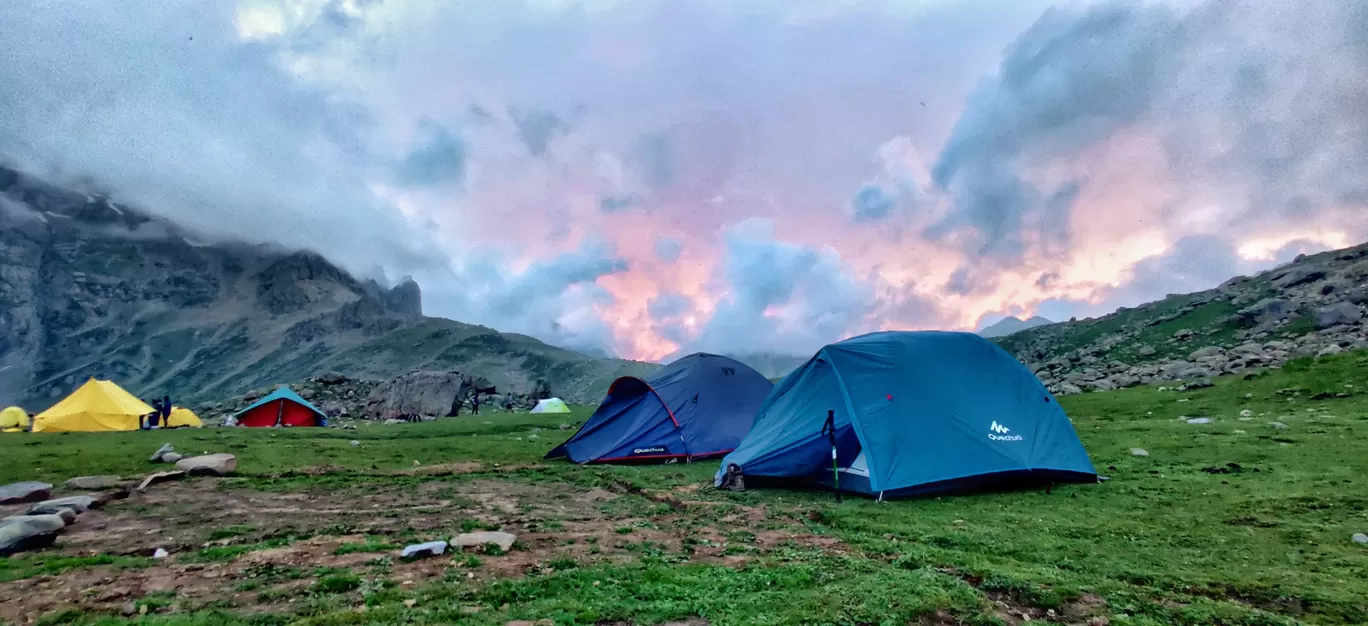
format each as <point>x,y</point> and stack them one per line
<point>1246,520</point>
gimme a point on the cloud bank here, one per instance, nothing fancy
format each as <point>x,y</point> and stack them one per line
<point>646,177</point>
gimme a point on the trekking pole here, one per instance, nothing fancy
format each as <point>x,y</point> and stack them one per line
<point>829,429</point>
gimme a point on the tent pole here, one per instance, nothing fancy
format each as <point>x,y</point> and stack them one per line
<point>829,429</point>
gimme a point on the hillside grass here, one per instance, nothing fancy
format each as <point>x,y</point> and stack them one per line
<point>1240,521</point>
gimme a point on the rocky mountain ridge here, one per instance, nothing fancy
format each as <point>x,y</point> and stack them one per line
<point>1013,324</point>
<point>91,287</point>
<point>1312,306</point>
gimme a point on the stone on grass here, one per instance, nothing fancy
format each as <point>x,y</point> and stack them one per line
<point>160,477</point>
<point>29,532</point>
<point>1199,420</point>
<point>208,465</point>
<point>161,553</point>
<point>1360,538</point>
<point>161,452</point>
<point>78,504</point>
<point>94,483</point>
<point>1278,425</point>
<point>501,539</point>
<point>420,550</point>
<point>1246,413</point>
<point>28,491</point>
<point>171,457</point>
<point>1139,452</point>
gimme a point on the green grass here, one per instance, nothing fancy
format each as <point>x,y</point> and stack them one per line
<point>1177,537</point>
<point>42,564</point>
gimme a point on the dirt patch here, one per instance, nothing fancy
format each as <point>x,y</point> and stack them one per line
<point>255,551</point>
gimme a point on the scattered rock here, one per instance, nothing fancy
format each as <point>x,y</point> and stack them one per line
<point>171,457</point>
<point>354,442</point>
<point>29,532</point>
<point>501,539</point>
<point>1360,538</point>
<point>1278,425</point>
<point>94,483</point>
<point>1207,352</point>
<point>208,465</point>
<point>332,378</point>
<point>1246,413</point>
<point>1199,420</point>
<point>1338,314</point>
<point>161,452</point>
<point>78,504</point>
<point>160,477</point>
<point>1201,383</point>
<point>1139,452</point>
<point>421,550</point>
<point>1330,350</point>
<point>28,491</point>
<point>160,553</point>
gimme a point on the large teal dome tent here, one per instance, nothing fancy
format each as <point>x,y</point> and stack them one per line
<point>913,413</point>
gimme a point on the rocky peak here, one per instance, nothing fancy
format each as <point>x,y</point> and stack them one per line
<point>405,298</point>
<point>303,280</point>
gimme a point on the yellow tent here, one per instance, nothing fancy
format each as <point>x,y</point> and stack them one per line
<point>181,416</point>
<point>13,420</point>
<point>96,405</point>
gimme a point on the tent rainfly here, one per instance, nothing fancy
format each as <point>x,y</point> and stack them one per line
<point>695,408</point>
<point>182,417</point>
<point>282,407</point>
<point>551,405</point>
<point>911,413</point>
<point>98,405</point>
<point>13,419</point>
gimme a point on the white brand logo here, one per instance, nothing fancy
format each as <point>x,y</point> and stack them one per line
<point>998,432</point>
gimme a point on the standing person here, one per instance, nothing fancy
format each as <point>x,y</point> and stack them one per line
<point>166,410</point>
<point>475,403</point>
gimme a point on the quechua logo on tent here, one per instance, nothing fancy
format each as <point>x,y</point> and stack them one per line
<point>652,450</point>
<point>998,432</point>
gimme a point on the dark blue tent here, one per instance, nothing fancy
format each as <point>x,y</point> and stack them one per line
<point>697,407</point>
<point>915,413</point>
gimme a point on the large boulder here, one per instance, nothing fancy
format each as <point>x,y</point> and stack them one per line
<point>208,465</point>
<point>1265,310</point>
<point>94,483</point>
<point>28,491</point>
<point>29,532</point>
<point>1338,314</point>
<point>76,504</point>
<point>1299,276</point>
<point>1206,353</point>
<point>423,393</point>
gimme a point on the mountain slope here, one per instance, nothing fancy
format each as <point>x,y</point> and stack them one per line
<point>1013,324</point>
<point>89,287</point>
<point>1314,305</point>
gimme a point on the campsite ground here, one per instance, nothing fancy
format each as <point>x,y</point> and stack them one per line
<point>1238,521</point>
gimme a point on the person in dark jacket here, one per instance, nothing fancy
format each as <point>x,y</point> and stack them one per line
<point>475,403</point>
<point>165,410</point>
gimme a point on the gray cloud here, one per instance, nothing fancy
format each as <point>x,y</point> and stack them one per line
<point>872,203</point>
<point>667,249</point>
<point>783,297</point>
<point>438,159</point>
<point>1226,87</point>
<point>537,128</point>
<point>163,105</point>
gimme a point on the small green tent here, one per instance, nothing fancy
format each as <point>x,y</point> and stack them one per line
<point>551,405</point>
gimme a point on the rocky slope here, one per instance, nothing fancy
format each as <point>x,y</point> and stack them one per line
<point>1312,306</point>
<point>89,287</point>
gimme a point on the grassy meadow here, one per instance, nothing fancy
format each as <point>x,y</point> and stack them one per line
<point>1245,520</point>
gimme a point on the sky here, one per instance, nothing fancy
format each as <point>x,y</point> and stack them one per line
<point>644,178</point>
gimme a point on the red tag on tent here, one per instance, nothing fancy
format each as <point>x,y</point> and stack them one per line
<point>890,397</point>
